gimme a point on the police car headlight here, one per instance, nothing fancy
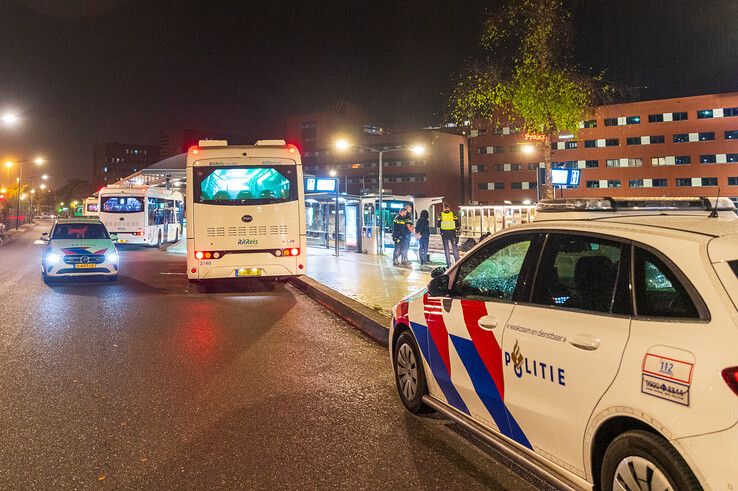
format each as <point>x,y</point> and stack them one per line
<point>52,257</point>
<point>112,257</point>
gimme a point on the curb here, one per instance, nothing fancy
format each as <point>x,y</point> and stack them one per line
<point>367,320</point>
<point>11,237</point>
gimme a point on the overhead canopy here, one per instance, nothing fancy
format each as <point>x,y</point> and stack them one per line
<point>172,168</point>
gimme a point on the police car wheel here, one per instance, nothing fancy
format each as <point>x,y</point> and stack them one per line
<point>409,375</point>
<point>639,460</point>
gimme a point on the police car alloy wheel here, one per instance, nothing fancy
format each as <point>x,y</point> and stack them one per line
<point>640,460</point>
<point>409,375</point>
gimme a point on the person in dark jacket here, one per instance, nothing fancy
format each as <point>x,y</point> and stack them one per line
<point>422,232</point>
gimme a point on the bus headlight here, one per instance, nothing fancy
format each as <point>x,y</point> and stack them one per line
<point>52,257</point>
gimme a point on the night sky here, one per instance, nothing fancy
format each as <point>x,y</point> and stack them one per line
<point>84,72</point>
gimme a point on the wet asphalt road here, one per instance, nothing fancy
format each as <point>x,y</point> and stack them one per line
<point>152,383</point>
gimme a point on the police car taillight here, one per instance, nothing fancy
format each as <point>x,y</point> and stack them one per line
<point>730,375</point>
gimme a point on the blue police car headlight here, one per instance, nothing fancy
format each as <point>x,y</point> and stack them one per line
<point>52,257</point>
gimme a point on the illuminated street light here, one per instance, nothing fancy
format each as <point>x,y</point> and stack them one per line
<point>9,164</point>
<point>45,176</point>
<point>38,160</point>
<point>528,149</point>
<point>42,185</point>
<point>342,144</point>
<point>3,190</point>
<point>332,173</point>
<point>526,202</point>
<point>417,149</point>
<point>10,119</point>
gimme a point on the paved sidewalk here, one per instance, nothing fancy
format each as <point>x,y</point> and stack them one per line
<point>370,280</point>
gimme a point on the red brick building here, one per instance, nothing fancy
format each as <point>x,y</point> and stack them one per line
<point>441,171</point>
<point>672,147</point>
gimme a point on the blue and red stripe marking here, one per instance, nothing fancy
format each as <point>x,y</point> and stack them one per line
<point>81,251</point>
<point>481,356</point>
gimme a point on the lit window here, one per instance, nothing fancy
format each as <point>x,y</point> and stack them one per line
<point>731,135</point>
<point>704,114</point>
<point>633,120</point>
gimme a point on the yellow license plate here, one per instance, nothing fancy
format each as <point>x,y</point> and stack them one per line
<point>248,272</point>
<point>85,266</point>
<point>122,241</point>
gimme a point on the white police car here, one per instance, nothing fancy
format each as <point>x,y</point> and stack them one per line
<point>598,343</point>
<point>78,247</point>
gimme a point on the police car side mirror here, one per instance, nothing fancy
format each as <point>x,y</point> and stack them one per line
<point>438,286</point>
<point>114,237</point>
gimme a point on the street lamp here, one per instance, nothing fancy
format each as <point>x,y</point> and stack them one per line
<point>9,118</point>
<point>332,173</point>
<point>343,144</point>
<point>9,164</point>
<point>528,149</point>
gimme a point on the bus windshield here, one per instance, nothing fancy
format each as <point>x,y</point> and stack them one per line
<point>244,185</point>
<point>121,204</point>
<point>64,231</point>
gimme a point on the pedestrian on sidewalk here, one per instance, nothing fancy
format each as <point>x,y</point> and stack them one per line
<point>422,232</point>
<point>401,231</point>
<point>449,223</point>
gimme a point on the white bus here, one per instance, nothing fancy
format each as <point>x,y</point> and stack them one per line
<point>245,211</point>
<point>142,214</point>
<point>91,207</point>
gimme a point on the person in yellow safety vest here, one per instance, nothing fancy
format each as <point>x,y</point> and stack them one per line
<point>448,224</point>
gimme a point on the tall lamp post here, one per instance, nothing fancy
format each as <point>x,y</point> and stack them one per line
<point>344,145</point>
<point>37,161</point>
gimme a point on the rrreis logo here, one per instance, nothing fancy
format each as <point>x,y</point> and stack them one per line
<point>522,365</point>
<point>248,242</point>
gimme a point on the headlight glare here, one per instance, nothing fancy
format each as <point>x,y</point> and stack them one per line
<point>52,257</point>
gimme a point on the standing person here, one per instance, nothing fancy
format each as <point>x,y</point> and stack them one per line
<point>409,232</point>
<point>399,229</point>
<point>448,225</point>
<point>422,232</point>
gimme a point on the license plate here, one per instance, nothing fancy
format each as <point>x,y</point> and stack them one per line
<point>122,241</point>
<point>248,272</point>
<point>84,266</point>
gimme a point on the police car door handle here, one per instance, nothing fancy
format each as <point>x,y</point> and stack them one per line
<point>488,322</point>
<point>588,343</point>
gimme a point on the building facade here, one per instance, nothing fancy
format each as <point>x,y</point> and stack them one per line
<point>671,147</point>
<point>440,172</point>
<point>114,161</point>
